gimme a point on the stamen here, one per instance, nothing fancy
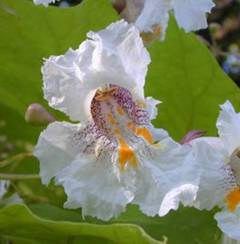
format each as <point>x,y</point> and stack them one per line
<point>233,199</point>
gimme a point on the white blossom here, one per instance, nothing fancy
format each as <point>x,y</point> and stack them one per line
<point>114,156</point>
<point>219,163</point>
<point>153,15</point>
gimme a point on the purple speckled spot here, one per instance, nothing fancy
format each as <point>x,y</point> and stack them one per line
<point>124,99</point>
<point>106,120</point>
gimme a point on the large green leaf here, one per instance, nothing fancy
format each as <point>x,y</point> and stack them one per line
<point>187,79</point>
<point>19,221</point>
<point>53,224</point>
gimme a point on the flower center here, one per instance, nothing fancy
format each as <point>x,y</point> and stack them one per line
<point>121,120</point>
<point>233,197</point>
<point>235,165</point>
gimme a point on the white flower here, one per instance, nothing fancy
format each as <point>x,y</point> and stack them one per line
<point>219,160</point>
<point>114,156</point>
<point>153,15</point>
<point>44,2</point>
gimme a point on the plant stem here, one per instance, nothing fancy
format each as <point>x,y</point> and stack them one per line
<point>18,176</point>
<point>15,158</point>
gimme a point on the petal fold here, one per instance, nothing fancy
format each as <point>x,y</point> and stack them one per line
<point>228,125</point>
<point>55,149</point>
<point>229,223</point>
<point>115,55</point>
<point>167,179</point>
<point>94,186</point>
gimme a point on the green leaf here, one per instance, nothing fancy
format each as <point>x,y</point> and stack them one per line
<point>187,79</point>
<point>18,220</point>
<point>177,227</point>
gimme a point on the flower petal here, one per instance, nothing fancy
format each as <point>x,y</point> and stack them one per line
<point>166,179</point>
<point>95,186</point>
<point>154,13</point>
<point>228,125</point>
<point>152,107</point>
<point>115,55</point>
<point>185,194</point>
<point>229,222</point>
<point>191,14</point>
<point>216,178</point>
<point>55,149</point>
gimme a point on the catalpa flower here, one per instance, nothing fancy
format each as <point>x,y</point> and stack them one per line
<point>114,156</point>
<point>219,160</point>
<point>153,15</point>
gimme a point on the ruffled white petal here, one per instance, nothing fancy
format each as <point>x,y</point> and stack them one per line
<point>185,194</point>
<point>215,180</point>
<point>229,222</point>
<point>94,186</point>
<point>82,162</point>
<point>228,125</point>
<point>115,55</point>
<point>56,149</point>
<point>191,14</point>
<point>44,2</point>
<point>167,179</point>
<point>154,13</point>
<point>152,107</point>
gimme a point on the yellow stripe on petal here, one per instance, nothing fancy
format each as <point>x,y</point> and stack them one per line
<point>145,133</point>
<point>233,199</point>
<point>126,154</point>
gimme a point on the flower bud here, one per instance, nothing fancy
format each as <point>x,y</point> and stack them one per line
<point>37,115</point>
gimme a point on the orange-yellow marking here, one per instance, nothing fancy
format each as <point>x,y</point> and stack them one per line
<point>111,119</point>
<point>233,199</point>
<point>126,154</point>
<point>131,126</point>
<point>145,133</point>
<point>120,110</point>
<point>141,131</point>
